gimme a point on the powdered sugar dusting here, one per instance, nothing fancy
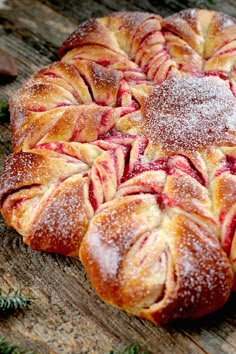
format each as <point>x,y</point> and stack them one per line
<point>231,121</point>
<point>109,254</point>
<point>226,21</point>
<point>190,113</point>
<point>63,220</point>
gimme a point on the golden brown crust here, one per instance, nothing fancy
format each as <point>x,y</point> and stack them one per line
<point>131,28</point>
<point>61,229</point>
<point>191,297</point>
<point>191,26</point>
<point>153,270</point>
<point>93,32</point>
<point>124,155</point>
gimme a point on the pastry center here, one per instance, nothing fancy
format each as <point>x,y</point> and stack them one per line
<point>190,113</point>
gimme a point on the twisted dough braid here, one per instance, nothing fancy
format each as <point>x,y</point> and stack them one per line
<point>124,155</point>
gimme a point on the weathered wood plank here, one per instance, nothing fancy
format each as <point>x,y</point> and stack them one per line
<point>96,8</point>
<point>33,42</point>
<point>67,316</point>
<point>38,23</point>
<point>62,289</point>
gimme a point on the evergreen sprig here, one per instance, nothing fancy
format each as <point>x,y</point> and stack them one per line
<point>130,349</point>
<point>7,348</point>
<point>12,301</point>
<point>4,113</point>
<point>205,3</point>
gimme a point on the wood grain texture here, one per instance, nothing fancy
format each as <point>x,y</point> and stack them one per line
<point>67,316</point>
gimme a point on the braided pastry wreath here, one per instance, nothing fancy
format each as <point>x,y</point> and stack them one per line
<point>124,155</point>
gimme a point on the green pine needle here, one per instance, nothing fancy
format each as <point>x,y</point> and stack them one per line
<point>205,3</point>
<point>7,348</point>
<point>4,113</point>
<point>13,301</point>
<point>131,349</point>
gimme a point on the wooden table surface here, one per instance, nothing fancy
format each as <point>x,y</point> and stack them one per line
<point>67,316</point>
